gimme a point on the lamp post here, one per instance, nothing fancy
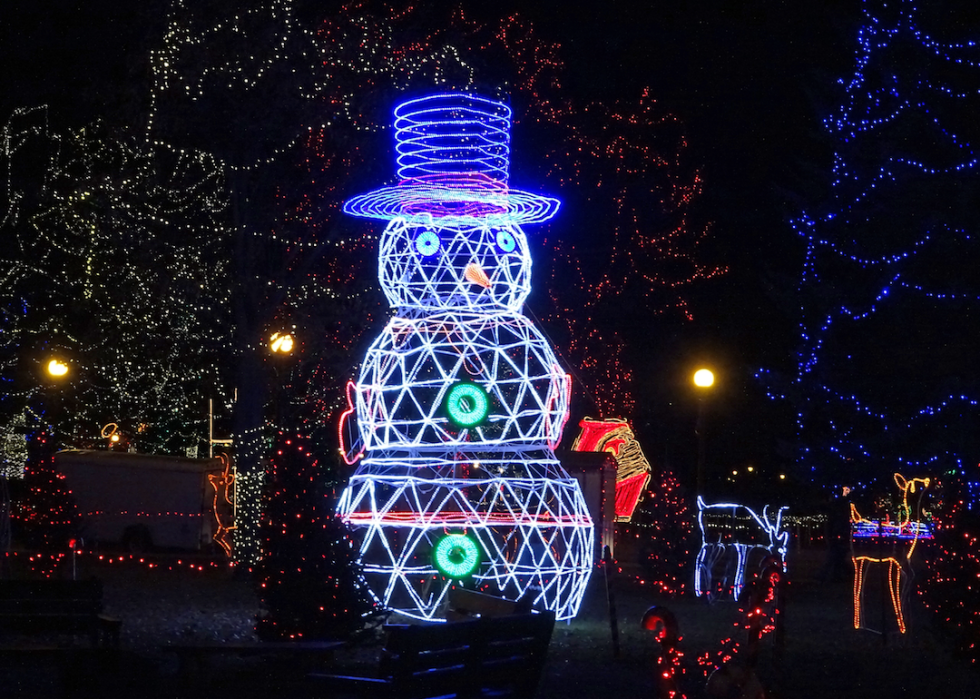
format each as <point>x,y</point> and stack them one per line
<point>704,379</point>
<point>281,345</point>
<point>57,372</point>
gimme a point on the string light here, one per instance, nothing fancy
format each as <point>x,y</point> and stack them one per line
<point>220,504</point>
<point>117,265</point>
<point>872,253</point>
<point>308,582</point>
<point>456,556</point>
<point>949,590</point>
<point>649,246</point>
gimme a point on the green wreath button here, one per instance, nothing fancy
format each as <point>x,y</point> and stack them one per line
<point>456,556</point>
<point>467,404</point>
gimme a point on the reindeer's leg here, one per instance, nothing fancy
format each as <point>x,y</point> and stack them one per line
<point>742,555</point>
<point>700,573</point>
<point>858,588</point>
<point>895,588</point>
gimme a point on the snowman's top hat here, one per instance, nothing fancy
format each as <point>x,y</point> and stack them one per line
<point>453,162</point>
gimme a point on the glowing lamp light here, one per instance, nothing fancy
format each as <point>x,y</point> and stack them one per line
<point>456,556</point>
<point>467,404</point>
<point>57,368</point>
<point>704,378</point>
<point>281,343</point>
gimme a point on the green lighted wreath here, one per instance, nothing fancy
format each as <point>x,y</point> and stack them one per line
<point>466,404</point>
<point>456,556</point>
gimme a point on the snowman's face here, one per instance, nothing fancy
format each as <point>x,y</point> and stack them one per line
<point>430,266</point>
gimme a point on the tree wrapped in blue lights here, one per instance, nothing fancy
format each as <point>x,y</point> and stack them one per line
<point>460,401</point>
<point>885,374</point>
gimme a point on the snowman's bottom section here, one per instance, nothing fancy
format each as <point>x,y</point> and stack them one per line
<point>533,536</point>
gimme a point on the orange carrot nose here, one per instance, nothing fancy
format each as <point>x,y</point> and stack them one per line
<point>474,273</point>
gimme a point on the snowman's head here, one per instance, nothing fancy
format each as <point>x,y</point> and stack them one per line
<point>454,238</point>
<point>460,263</point>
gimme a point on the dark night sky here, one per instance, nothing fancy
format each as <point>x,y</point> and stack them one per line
<point>739,74</point>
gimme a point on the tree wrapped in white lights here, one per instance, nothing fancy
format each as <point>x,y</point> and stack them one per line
<point>460,401</point>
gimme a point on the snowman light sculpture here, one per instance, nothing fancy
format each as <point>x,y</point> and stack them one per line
<point>460,401</point>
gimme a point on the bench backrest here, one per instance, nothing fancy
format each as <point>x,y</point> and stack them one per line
<point>46,597</point>
<point>463,657</point>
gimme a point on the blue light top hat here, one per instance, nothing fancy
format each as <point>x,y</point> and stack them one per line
<point>453,162</point>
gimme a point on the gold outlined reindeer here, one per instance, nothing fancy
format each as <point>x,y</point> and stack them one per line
<point>906,530</point>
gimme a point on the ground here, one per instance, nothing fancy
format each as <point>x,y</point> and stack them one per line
<point>823,658</point>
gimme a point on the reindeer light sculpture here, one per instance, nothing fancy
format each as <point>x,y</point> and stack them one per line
<point>717,540</point>
<point>905,532</point>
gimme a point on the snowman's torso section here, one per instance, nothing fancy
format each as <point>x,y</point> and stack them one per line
<point>417,371</point>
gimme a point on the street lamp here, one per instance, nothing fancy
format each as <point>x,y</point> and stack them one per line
<point>281,345</point>
<point>703,379</point>
<point>53,374</point>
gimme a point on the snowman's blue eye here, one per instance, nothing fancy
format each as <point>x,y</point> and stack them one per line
<point>427,243</point>
<point>506,241</point>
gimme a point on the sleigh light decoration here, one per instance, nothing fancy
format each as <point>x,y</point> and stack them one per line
<point>615,437</point>
<point>729,534</point>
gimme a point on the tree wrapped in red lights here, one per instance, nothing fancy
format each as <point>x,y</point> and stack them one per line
<point>949,588</point>
<point>309,583</point>
<point>662,530</point>
<point>643,245</point>
<point>43,517</point>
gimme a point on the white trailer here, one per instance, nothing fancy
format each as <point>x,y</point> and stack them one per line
<point>142,501</point>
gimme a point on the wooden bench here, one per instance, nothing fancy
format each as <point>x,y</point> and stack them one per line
<point>489,656</point>
<point>465,604</point>
<point>38,607</point>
